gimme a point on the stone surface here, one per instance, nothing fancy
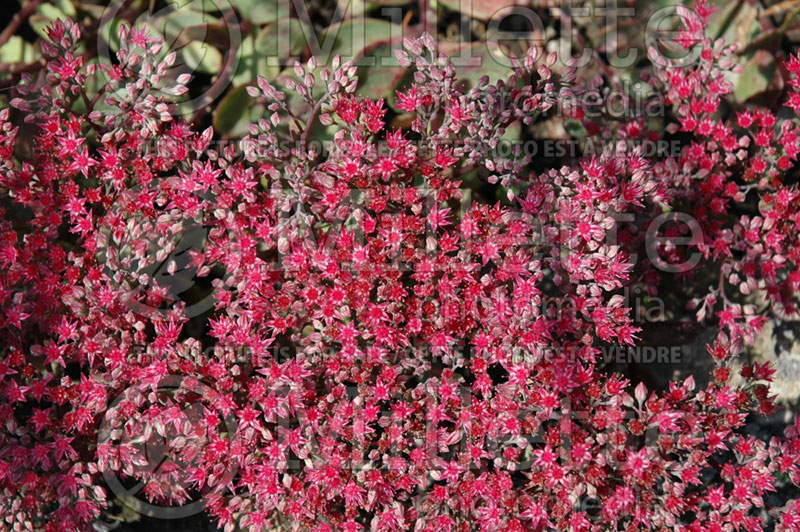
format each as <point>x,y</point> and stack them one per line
<point>779,344</point>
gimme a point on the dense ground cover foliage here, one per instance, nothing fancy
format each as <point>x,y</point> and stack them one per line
<point>364,347</point>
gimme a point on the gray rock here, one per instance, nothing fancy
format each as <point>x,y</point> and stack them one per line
<point>779,344</point>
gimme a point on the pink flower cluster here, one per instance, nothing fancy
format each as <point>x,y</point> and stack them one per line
<point>345,353</point>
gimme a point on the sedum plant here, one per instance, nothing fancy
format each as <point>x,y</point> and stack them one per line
<point>353,344</point>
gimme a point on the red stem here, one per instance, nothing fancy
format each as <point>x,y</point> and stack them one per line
<point>18,19</point>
